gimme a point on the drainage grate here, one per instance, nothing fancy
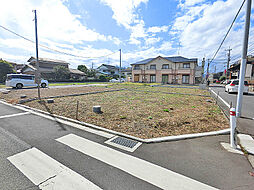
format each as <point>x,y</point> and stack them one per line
<point>124,142</point>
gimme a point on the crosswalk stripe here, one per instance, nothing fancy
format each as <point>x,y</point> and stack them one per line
<point>48,173</point>
<point>139,168</point>
<point>13,115</point>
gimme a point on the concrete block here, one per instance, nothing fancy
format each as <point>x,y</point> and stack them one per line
<point>50,101</point>
<point>97,109</point>
<point>247,143</point>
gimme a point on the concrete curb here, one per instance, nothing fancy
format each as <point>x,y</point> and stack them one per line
<point>152,140</point>
<point>227,104</point>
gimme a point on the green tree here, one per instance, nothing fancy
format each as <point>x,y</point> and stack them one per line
<point>5,68</point>
<point>61,73</point>
<point>91,73</point>
<point>83,68</point>
<point>103,78</point>
<point>222,78</point>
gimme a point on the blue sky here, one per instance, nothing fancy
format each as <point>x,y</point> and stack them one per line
<point>141,28</point>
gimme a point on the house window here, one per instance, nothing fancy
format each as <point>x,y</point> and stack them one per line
<point>136,67</point>
<point>165,66</point>
<point>186,65</point>
<point>186,79</point>
<point>152,78</point>
<point>152,66</point>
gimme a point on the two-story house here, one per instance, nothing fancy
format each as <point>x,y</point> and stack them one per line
<point>167,70</point>
<point>234,69</point>
<point>105,69</point>
<point>46,67</point>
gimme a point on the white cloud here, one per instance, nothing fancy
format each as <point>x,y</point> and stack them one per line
<point>186,3</point>
<point>166,46</point>
<point>123,10</point>
<point>157,29</point>
<point>151,41</point>
<point>125,15</point>
<point>202,27</point>
<point>58,28</point>
<point>134,41</point>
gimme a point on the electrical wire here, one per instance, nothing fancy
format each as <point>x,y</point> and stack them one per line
<point>43,46</point>
<point>228,31</point>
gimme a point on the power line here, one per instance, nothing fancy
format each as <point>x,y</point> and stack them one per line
<point>228,31</point>
<point>70,54</point>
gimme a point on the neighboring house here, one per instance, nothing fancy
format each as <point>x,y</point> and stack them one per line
<point>127,73</point>
<point>171,70</point>
<point>249,72</point>
<point>109,70</point>
<point>46,67</point>
<point>77,74</point>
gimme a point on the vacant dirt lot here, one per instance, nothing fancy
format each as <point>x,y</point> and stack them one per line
<point>140,113</point>
<point>14,95</point>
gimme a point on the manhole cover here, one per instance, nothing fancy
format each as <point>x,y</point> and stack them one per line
<point>123,143</point>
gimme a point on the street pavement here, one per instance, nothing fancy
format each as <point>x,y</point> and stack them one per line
<point>41,153</point>
<point>246,122</point>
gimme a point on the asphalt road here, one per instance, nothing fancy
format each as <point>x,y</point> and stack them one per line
<point>246,122</point>
<point>248,101</point>
<point>201,159</point>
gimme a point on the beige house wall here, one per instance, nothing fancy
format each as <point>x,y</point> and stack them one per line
<point>175,70</point>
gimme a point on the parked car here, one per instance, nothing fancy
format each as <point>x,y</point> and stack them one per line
<point>116,80</point>
<point>232,86</point>
<point>22,80</point>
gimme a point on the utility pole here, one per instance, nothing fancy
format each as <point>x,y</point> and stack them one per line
<point>215,69</point>
<point>207,70</point>
<point>228,61</point>
<point>243,61</point>
<point>37,72</point>
<point>92,65</point>
<point>120,65</point>
<point>202,72</point>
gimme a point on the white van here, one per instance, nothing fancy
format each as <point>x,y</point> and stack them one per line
<point>21,80</point>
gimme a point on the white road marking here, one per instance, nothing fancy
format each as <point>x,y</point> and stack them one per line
<point>48,173</point>
<point>227,104</point>
<point>139,168</point>
<point>81,127</point>
<point>13,115</point>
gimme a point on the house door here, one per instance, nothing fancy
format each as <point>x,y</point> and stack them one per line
<point>164,79</point>
<point>136,78</point>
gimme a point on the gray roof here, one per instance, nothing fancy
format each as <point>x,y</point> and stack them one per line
<point>76,71</point>
<point>108,66</point>
<point>175,59</point>
<point>32,59</point>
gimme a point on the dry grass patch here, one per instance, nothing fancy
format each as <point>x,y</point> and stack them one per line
<point>142,114</point>
<point>166,89</point>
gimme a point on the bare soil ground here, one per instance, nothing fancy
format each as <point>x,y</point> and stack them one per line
<point>139,112</point>
<point>14,95</point>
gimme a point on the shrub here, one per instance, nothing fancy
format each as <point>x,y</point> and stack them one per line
<point>5,68</point>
